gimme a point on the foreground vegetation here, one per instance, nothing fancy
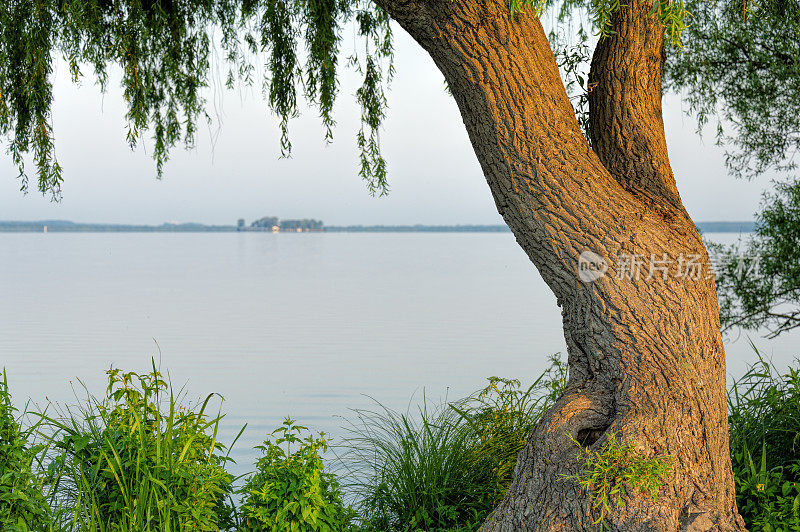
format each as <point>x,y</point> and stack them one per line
<point>142,458</point>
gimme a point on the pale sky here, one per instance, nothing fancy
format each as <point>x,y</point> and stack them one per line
<point>434,174</point>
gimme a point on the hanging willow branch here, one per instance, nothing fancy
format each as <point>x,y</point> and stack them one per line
<point>164,49</point>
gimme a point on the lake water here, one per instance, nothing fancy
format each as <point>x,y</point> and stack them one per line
<point>301,325</point>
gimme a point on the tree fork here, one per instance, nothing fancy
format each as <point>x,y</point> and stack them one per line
<point>645,354</point>
<point>626,124</point>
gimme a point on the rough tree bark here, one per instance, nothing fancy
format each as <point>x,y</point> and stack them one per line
<point>645,353</point>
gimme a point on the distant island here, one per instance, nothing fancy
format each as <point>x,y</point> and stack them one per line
<point>273,224</point>
<point>276,225</point>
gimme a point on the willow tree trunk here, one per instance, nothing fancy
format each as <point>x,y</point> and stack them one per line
<point>608,232</point>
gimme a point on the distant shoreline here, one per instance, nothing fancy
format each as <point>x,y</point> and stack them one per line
<point>64,226</point>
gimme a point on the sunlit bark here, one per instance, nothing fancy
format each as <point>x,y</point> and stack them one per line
<point>645,352</point>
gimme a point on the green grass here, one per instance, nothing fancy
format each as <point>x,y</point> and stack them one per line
<point>502,415</point>
<point>443,467</point>
<point>142,459</point>
<point>23,502</point>
<point>414,471</point>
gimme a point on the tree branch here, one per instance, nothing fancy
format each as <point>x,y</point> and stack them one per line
<point>626,123</point>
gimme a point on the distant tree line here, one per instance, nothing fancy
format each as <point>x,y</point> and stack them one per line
<point>418,229</point>
<point>268,222</point>
<point>65,226</point>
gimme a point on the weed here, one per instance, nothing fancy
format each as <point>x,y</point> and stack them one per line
<point>23,506</point>
<point>139,459</point>
<point>444,467</point>
<point>502,415</point>
<point>415,472</point>
<point>611,472</point>
<point>764,421</point>
<point>290,489</point>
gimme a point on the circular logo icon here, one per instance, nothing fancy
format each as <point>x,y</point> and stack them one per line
<point>591,266</point>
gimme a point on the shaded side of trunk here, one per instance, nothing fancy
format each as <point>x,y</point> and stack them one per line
<point>645,353</point>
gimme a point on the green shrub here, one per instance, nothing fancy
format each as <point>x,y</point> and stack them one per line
<point>139,460</point>
<point>23,506</point>
<point>290,489</point>
<point>764,423</point>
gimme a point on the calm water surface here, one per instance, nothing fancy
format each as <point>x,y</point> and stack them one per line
<point>282,325</point>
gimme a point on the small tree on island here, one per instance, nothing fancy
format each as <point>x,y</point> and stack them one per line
<point>647,363</point>
<point>267,222</point>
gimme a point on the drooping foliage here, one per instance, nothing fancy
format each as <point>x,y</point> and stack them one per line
<point>573,56</point>
<point>741,66</point>
<point>165,49</point>
<point>758,281</point>
<point>599,13</point>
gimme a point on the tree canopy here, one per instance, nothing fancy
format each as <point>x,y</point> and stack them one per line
<point>740,66</point>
